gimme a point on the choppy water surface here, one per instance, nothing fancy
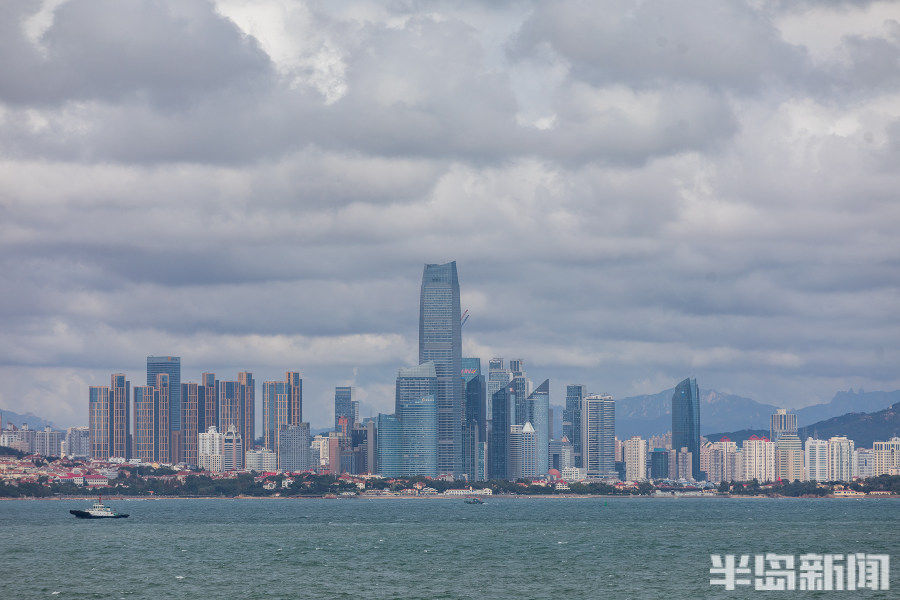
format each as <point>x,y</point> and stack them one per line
<point>404,548</point>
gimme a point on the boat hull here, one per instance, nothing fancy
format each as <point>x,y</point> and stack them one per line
<point>83,514</point>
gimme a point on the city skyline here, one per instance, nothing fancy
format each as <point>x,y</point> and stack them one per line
<point>267,205</point>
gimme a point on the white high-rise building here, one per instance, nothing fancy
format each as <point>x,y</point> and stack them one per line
<point>635,450</point>
<point>887,457</point>
<point>529,452</point>
<point>732,468</point>
<point>840,459</point>
<point>759,459</point>
<point>260,460</point>
<point>816,459</point>
<point>233,450</point>
<point>211,450</point>
<point>863,463</point>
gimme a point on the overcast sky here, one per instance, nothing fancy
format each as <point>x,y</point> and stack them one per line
<point>635,192</point>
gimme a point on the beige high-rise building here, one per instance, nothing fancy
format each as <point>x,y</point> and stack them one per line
<point>635,451</point>
<point>815,458</point>
<point>887,457</point>
<point>211,450</point>
<point>789,457</point>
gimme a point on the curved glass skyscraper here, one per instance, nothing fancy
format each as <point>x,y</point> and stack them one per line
<point>440,341</point>
<point>686,422</point>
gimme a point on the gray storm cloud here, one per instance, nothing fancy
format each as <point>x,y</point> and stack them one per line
<point>634,192</point>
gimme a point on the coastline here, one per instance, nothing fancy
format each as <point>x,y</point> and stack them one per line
<point>457,498</point>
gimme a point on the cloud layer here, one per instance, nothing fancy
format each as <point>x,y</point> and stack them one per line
<point>634,193</point>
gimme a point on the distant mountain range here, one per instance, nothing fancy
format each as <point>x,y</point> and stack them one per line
<point>862,428</point>
<point>651,414</point>
<point>33,421</point>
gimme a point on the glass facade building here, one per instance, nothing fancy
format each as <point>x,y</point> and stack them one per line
<point>598,435</point>
<point>171,366</point>
<point>440,341</point>
<point>294,448</point>
<point>500,427</point>
<point>388,454</point>
<point>416,409</point>
<point>474,423</point>
<point>539,417</point>
<point>686,422</point>
<point>572,418</point>
<point>343,405</point>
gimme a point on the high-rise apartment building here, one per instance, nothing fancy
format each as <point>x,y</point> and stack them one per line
<point>758,454</point>
<point>190,423</point>
<point>782,422</point>
<point>208,402</point>
<point>78,442</point>
<point>294,452</point>
<point>440,341</point>
<point>108,419</point>
<point>863,463</point>
<point>840,459</point>
<point>686,421</point>
<point>145,427</point>
<point>816,459</point>
<point>211,450</point>
<point>887,457</point>
<point>572,418</point>
<point>237,408</point>
<point>232,450</point>
<point>635,459</point>
<point>659,463</point>
<point>788,457</point>
<point>598,435</point>
<point>282,403</point>
<point>171,366</point>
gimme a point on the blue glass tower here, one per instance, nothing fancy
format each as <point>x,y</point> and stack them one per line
<point>500,426</point>
<point>416,409</point>
<point>170,365</point>
<point>440,341</point>
<point>343,406</point>
<point>572,418</point>
<point>474,422</point>
<point>686,422</point>
<point>388,444</point>
<point>539,416</point>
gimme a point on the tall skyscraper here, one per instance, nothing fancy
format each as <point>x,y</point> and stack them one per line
<point>500,428</point>
<point>237,407</point>
<point>498,377</point>
<point>389,461</point>
<point>474,422</point>
<point>190,423</point>
<point>98,421</point>
<point>440,341</point>
<point>782,422</point>
<point>144,438</point>
<point>686,422</point>
<point>416,409</point>
<point>162,406</point>
<point>840,458</point>
<point>538,409</point>
<point>343,404</point>
<point>119,413</point>
<point>758,454</point>
<point>282,403</point>
<point>659,463</point>
<point>171,365</point>
<point>208,400</point>
<point>248,402</point>
<point>233,450</point>
<point>598,435</point>
<point>572,418</point>
<point>109,419</point>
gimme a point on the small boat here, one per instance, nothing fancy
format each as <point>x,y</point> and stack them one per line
<point>473,500</point>
<point>98,511</point>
